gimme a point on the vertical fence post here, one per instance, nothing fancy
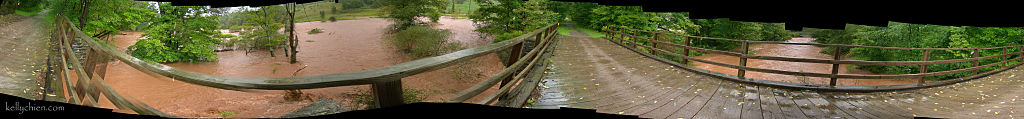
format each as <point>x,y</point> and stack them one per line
<point>634,38</point>
<point>513,56</point>
<point>835,66</point>
<point>741,73</point>
<point>1005,56</point>
<point>975,54</point>
<point>1020,55</point>
<point>387,94</point>
<point>686,51</point>
<point>924,67</point>
<point>654,45</point>
<point>622,35</point>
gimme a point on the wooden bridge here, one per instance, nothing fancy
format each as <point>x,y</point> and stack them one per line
<point>651,86</point>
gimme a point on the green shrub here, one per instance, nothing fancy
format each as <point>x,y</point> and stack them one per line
<point>332,19</point>
<point>423,41</point>
<point>315,31</point>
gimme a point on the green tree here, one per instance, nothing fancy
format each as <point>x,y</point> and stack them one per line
<point>506,19</point>
<point>104,16</point>
<point>404,12</point>
<point>179,33</point>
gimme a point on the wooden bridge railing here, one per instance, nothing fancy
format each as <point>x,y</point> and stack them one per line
<point>385,81</point>
<point>629,38</point>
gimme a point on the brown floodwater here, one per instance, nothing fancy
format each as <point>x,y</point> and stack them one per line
<point>344,46</point>
<point>801,51</point>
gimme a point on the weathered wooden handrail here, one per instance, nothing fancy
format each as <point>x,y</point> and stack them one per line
<point>386,81</point>
<point>618,34</point>
<point>90,83</point>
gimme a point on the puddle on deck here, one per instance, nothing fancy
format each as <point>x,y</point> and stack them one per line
<point>344,46</point>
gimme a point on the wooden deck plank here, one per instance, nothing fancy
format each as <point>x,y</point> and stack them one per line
<point>686,100</point>
<point>705,93</point>
<point>751,103</point>
<point>789,107</point>
<point>769,106</point>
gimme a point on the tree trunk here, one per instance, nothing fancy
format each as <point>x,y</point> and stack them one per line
<point>265,27</point>
<point>293,40</point>
<point>83,11</point>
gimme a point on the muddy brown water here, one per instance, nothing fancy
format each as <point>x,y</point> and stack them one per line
<point>800,51</point>
<point>344,46</point>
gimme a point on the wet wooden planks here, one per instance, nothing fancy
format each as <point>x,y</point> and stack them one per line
<point>675,93</point>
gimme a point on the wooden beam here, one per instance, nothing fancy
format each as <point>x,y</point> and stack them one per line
<point>387,94</point>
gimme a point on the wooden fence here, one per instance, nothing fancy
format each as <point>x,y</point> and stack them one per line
<point>629,38</point>
<point>85,87</point>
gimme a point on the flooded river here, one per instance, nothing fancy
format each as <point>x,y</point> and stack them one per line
<point>801,51</point>
<point>344,46</point>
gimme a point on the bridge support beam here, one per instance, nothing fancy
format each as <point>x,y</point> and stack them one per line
<point>387,94</point>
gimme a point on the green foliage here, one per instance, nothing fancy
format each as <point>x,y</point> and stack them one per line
<point>510,18</point>
<point>178,34</point>
<point>921,36</point>
<point>405,12</point>
<point>434,16</point>
<point>564,30</point>
<point>225,114</point>
<point>591,32</point>
<point>315,31</point>
<point>322,15</point>
<point>724,28</point>
<point>104,15</point>
<point>334,10</point>
<point>332,19</point>
<point>261,27</point>
<point>423,41</point>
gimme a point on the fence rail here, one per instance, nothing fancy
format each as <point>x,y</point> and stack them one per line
<point>629,38</point>
<point>88,83</point>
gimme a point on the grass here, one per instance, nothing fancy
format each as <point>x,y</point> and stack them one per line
<point>591,32</point>
<point>27,13</point>
<point>463,8</point>
<point>311,12</point>
<point>564,30</point>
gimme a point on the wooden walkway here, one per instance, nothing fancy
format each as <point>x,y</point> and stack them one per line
<point>597,74</point>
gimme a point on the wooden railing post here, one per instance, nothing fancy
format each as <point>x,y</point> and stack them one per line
<point>741,73</point>
<point>924,67</point>
<point>686,51</point>
<point>1005,56</point>
<point>634,38</point>
<point>513,56</point>
<point>387,94</point>
<point>975,54</point>
<point>654,45</point>
<point>835,66</point>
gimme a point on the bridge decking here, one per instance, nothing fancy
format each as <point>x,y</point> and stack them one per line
<point>598,74</point>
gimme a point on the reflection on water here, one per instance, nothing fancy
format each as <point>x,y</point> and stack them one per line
<point>800,51</point>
